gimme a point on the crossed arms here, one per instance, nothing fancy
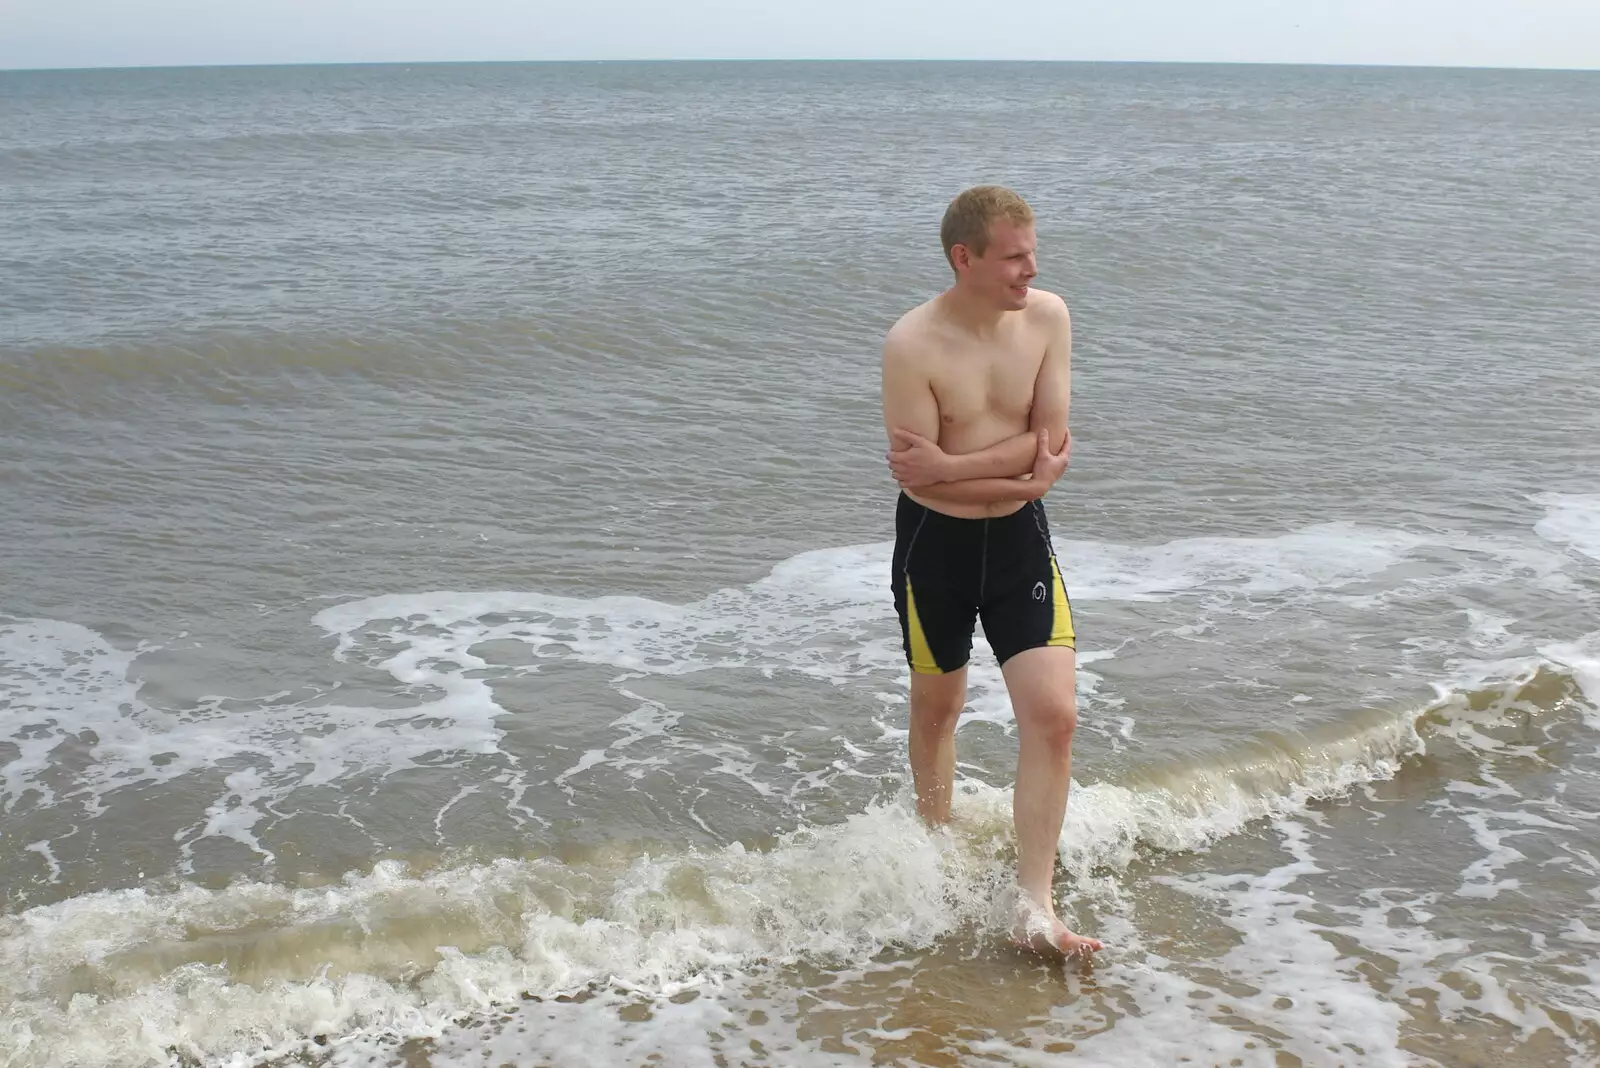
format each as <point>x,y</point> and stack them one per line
<point>1019,468</point>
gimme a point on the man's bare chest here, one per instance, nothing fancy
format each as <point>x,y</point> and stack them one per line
<point>973,384</point>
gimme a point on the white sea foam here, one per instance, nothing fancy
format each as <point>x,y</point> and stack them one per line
<point>842,892</point>
<point>827,612</point>
<point>1309,992</point>
<point>1571,519</point>
<point>1323,557</point>
<point>1582,659</point>
<point>653,924</point>
<point>61,681</point>
<point>1332,984</point>
<point>58,680</point>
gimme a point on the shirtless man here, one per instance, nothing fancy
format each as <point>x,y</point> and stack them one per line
<point>976,387</point>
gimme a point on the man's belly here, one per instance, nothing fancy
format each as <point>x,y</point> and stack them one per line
<point>966,511</point>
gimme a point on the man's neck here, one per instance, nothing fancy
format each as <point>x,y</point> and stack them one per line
<point>971,313</point>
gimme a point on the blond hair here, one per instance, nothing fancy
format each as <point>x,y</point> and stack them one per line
<point>967,219</point>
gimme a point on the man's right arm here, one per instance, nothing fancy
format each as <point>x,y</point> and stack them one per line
<point>1047,467</point>
<point>908,400</point>
<point>1004,459</point>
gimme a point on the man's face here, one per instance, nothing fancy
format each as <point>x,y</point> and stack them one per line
<point>1006,268</point>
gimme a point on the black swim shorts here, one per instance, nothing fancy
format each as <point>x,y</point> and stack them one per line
<point>949,572</point>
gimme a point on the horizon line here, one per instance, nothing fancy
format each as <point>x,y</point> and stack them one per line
<point>810,60</point>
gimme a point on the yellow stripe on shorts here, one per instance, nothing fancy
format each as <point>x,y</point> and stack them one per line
<point>1061,633</point>
<point>922,660</point>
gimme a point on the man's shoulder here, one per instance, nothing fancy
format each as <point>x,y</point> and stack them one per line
<point>910,333</point>
<point>1047,307</point>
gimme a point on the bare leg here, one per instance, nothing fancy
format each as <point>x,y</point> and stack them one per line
<point>936,703</point>
<point>1042,685</point>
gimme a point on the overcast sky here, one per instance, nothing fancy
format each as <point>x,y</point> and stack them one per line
<point>82,33</point>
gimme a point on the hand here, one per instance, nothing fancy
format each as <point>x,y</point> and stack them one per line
<point>915,461</point>
<point>1048,466</point>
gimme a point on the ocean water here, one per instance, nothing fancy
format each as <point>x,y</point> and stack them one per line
<point>444,548</point>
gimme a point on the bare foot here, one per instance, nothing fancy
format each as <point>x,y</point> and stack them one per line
<point>1039,931</point>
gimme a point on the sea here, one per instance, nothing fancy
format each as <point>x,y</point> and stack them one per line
<point>445,544</point>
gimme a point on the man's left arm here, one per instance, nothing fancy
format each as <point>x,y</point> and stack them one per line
<point>1052,388</point>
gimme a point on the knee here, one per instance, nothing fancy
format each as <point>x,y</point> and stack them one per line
<point>1055,723</point>
<point>938,714</point>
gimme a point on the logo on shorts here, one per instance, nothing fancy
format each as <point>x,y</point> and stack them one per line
<point>1039,592</point>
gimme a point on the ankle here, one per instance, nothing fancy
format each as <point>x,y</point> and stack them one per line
<point>1037,897</point>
